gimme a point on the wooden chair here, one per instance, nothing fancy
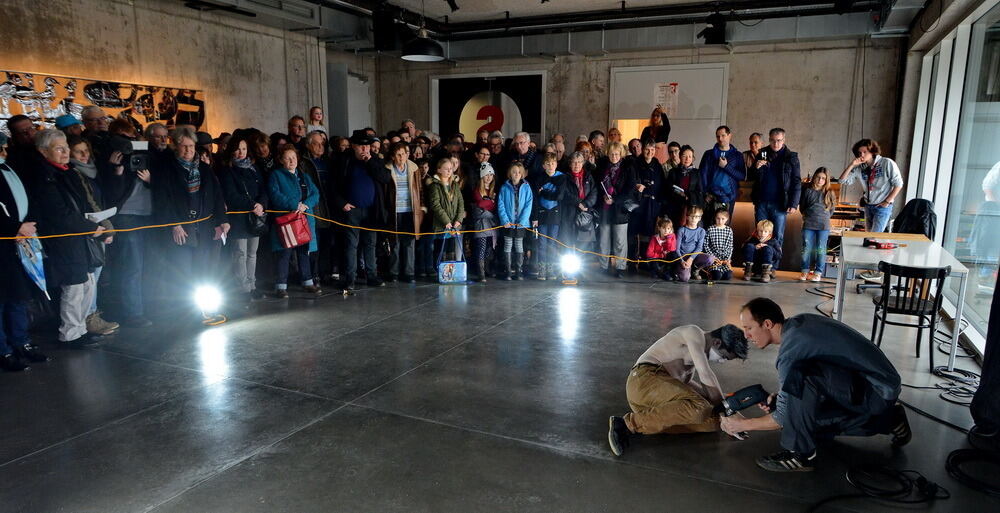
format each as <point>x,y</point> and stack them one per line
<point>913,291</point>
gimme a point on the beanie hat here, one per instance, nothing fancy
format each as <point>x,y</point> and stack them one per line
<point>485,169</point>
<point>66,120</point>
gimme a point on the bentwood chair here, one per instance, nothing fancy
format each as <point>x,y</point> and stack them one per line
<point>910,291</point>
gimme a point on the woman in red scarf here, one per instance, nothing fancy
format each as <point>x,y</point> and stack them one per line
<point>579,217</point>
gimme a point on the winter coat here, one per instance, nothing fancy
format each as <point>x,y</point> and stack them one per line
<point>722,182</point>
<point>307,166</point>
<point>659,248</point>
<point>624,190</point>
<point>284,190</point>
<point>445,203</point>
<point>58,202</point>
<point>643,219</point>
<point>483,214</point>
<point>515,207</point>
<point>570,209</point>
<point>550,194</point>
<point>416,187</point>
<point>242,188</point>
<point>339,186</point>
<point>170,197</point>
<point>16,285</point>
<point>789,179</point>
<point>662,135</point>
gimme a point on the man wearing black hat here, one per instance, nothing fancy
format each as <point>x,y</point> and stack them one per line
<point>358,196</point>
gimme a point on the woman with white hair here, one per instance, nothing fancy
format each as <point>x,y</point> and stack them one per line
<point>60,203</point>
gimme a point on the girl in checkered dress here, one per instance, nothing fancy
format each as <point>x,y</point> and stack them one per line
<point>719,244</point>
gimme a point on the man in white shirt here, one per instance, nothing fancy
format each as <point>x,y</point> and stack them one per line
<point>664,391</point>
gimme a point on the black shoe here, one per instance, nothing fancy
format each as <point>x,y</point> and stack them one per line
<point>393,278</point>
<point>375,282</point>
<point>31,353</point>
<point>281,293</point>
<point>87,340</point>
<point>407,279</point>
<point>348,286</point>
<point>984,440</point>
<point>11,363</point>
<point>618,435</point>
<point>787,461</point>
<point>617,273</point>
<point>901,433</point>
<point>256,295</point>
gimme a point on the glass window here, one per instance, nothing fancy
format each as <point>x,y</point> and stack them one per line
<point>972,224</point>
<point>935,64</point>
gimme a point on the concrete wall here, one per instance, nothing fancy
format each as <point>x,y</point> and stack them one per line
<point>813,90</point>
<point>252,75</point>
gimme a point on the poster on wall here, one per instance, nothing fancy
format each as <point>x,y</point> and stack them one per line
<point>665,95</point>
<point>43,98</point>
<point>509,103</point>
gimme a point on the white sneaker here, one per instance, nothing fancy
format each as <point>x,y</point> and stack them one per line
<point>804,276</point>
<point>817,277</point>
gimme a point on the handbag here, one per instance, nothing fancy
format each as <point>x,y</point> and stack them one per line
<point>585,220</point>
<point>452,272</point>
<point>256,225</point>
<point>629,205</point>
<point>95,252</point>
<point>293,230</point>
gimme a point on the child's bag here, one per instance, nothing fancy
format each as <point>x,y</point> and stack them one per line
<point>452,272</point>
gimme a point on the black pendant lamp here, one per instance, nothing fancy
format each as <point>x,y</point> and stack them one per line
<point>422,49</point>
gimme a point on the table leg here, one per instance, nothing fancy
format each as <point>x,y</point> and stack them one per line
<point>838,304</point>
<point>957,332</point>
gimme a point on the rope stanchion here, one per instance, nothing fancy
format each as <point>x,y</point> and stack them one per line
<point>378,230</point>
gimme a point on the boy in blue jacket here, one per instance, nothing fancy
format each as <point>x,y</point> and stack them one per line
<point>514,206</point>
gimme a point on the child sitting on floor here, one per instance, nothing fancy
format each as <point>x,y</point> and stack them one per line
<point>691,246</point>
<point>762,250</point>
<point>719,244</point>
<point>663,246</point>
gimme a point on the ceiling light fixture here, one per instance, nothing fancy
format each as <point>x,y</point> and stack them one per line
<point>422,48</point>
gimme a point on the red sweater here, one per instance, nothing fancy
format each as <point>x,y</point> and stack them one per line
<point>659,247</point>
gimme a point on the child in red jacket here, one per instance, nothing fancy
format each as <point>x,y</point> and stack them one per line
<point>663,246</point>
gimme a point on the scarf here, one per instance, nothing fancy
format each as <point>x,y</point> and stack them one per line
<point>193,176</point>
<point>578,178</point>
<point>87,169</point>
<point>244,163</point>
<point>611,177</point>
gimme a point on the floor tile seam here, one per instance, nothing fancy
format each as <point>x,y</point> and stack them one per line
<point>105,425</point>
<point>367,325</point>
<point>236,461</point>
<point>613,461</point>
<point>463,342</point>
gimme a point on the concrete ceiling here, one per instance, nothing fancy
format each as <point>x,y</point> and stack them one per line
<point>484,10</point>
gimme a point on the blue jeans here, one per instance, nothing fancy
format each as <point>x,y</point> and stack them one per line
<point>814,249</point>
<point>301,254</point>
<point>547,250</point>
<point>759,257</point>
<point>773,213</point>
<point>13,326</point>
<point>877,218</point>
<point>127,260</point>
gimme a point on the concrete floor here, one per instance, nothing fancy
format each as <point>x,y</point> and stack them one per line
<point>422,398</point>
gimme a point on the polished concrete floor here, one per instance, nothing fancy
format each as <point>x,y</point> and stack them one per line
<point>410,398</point>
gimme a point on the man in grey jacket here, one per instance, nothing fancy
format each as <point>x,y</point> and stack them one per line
<point>833,381</point>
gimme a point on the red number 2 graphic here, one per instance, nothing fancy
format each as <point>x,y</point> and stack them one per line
<point>492,113</point>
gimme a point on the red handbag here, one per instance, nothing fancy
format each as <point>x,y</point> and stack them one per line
<point>293,229</point>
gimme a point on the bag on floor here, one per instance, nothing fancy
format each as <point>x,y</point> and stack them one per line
<point>293,230</point>
<point>452,272</point>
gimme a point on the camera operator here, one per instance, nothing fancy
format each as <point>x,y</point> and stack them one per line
<point>833,381</point>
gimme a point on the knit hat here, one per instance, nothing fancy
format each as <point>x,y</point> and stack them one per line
<point>485,169</point>
<point>67,120</point>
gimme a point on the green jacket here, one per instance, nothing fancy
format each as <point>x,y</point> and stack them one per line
<point>445,202</point>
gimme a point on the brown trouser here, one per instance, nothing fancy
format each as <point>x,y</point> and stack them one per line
<point>662,404</point>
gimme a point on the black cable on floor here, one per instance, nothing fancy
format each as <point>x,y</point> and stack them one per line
<point>902,486</point>
<point>935,418</point>
<point>961,457</point>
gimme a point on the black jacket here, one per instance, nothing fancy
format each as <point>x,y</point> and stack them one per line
<point>170,196</point>
<point>570,206</point>
<point>789,178</point>
<point>242,188</point>
<point>643,219</point>
<point>58,202</point>
<point>557,193</point>
<point>338,186</point>
<point>662,135</point>
<point>307,166</point>
<point>16,286</point>
<point>624,187</point>
<point>695,190</point>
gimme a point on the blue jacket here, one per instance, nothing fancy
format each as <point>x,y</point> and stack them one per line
<point>722,182</point>
<point>519,214</point>
<point>284,194</point>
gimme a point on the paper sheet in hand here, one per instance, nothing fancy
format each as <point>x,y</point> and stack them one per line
<point>96,217</point>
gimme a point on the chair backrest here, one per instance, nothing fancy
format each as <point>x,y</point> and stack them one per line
<point>906,288</point>
<point>917,216</point>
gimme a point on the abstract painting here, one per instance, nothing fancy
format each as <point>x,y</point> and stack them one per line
<point>43,98</point>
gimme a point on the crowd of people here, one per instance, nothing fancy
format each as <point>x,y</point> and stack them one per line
<point>380,208</point>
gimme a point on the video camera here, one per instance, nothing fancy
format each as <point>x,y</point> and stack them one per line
<point>136,153</point>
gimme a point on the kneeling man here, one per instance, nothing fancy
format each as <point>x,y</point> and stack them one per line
<point>833,381</point>
<point>662,390</point>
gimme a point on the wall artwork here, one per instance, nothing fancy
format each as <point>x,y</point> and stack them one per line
<point>43,98</point>
<point>506,102</point>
